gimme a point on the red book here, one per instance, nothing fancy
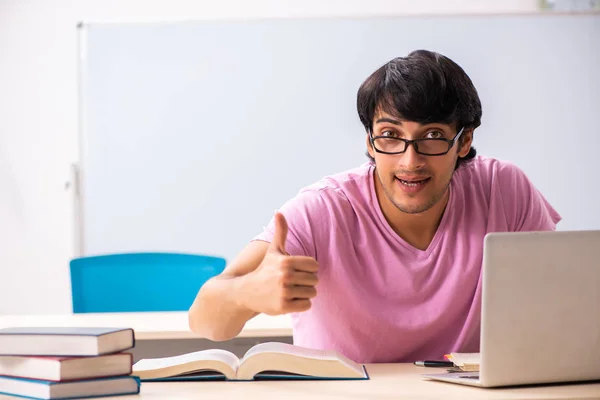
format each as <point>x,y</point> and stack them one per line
<point>66,368</point>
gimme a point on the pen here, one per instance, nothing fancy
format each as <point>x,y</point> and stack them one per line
<point>435,364</point>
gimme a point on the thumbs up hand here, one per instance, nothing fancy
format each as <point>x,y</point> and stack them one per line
<point>281,283</point>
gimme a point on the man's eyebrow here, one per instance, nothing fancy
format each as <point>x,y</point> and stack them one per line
<point>390,120</point>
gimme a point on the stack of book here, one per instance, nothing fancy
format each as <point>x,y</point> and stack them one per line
<point>66,363</point>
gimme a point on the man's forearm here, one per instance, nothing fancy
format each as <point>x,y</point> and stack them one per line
<point>217,313</point>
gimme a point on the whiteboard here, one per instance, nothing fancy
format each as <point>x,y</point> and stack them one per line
<point>194,133</point>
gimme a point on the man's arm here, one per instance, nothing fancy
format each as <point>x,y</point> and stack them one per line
<point>263,278</point>
<point>218,312</point>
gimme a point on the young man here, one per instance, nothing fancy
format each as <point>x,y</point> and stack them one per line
<point>395,245</point>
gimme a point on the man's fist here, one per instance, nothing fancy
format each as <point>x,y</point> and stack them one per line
<point>281,283</point>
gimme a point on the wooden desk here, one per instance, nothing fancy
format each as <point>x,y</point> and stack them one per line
<point>388,381</point>
<point>150,325</point>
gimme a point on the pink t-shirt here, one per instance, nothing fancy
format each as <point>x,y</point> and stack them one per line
<point>382,300</point>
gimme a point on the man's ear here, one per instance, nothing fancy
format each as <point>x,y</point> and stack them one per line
<point>466,141</point>
<point>369,146</point>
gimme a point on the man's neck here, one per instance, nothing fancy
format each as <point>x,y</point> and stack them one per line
<point>418,230</point>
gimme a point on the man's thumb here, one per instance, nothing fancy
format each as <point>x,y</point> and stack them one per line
<point>281,230</point>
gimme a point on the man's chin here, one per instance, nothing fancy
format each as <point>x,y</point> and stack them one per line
<point>416,205</point>
<point>413,208</point>
<point>413,205</point>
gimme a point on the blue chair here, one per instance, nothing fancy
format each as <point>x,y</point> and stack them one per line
<point>140,281</point>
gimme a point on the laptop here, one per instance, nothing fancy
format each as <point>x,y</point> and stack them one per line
<point>540,312</point>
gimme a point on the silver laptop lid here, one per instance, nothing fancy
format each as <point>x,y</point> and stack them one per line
<point>540,307</point>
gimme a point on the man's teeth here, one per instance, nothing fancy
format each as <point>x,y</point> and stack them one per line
<point>412,183</point>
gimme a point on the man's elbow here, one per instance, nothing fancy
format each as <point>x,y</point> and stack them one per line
<point>208,331</point>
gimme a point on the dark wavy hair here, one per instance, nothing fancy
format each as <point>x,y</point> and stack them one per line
<point>423,87</point>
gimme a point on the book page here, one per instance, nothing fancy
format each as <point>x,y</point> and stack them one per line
<point>466,361</point>
<point>285,348</point>
<point>203,355</point>
<point>465,358</point>
<point>282,359</point>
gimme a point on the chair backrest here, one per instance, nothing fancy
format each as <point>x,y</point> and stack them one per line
<point>140,281</point>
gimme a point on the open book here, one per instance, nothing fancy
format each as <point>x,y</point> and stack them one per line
<point>264,361</point>
<point>468,362</point>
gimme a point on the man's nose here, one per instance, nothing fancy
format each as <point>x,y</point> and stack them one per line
<point>410,160</point>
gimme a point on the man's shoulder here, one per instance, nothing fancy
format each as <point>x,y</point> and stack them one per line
<point>334,198</point>
<point>488,170</point>
<point>345,184</point>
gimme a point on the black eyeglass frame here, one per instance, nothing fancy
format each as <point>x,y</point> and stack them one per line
<point>415,143</point>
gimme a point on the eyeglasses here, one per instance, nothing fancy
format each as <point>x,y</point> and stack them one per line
<point>426,146</point>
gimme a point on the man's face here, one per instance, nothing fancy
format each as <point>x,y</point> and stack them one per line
<point>413,182</point>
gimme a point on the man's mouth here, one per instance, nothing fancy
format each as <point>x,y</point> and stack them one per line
<point>413,182</point>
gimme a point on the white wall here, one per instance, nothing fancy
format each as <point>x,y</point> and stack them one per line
<point>38,117</point>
